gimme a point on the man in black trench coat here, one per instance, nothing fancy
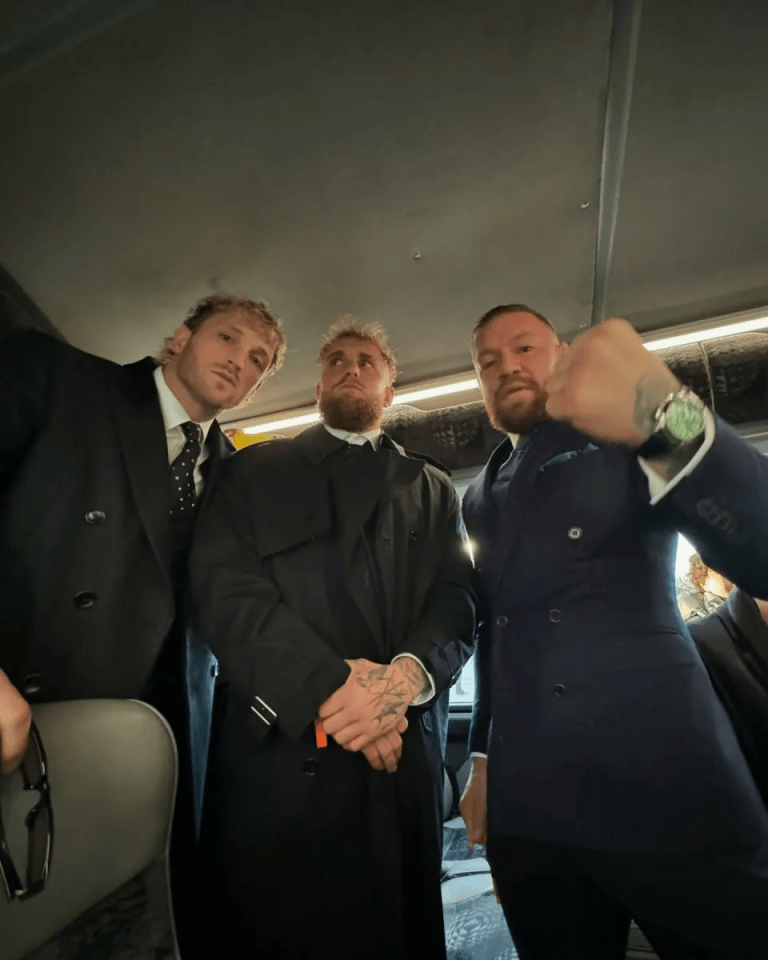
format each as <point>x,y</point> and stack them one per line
<point>333,585</point>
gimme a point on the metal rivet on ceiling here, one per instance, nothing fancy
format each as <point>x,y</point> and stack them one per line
<point>585,205</point>
<point>417,256</point>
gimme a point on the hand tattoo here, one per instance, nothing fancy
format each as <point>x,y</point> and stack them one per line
<point>391,697</point>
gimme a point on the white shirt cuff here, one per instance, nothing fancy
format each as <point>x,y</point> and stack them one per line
<point>484,756</point>
<point>657,486</point>
<point>421,698</point>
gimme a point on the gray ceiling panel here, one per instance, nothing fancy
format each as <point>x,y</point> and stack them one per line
<point>692,236</point>
<point>303,153</point>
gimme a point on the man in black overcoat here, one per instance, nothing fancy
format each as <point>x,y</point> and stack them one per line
<point>333,585</point>
<point>103,472</point>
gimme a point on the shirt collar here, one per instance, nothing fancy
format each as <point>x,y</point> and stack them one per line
<point>171,407</point>
<point>358,438</point>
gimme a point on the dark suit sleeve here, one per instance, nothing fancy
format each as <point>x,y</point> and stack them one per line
<point>444,632</point>
<point>266,650</point>
<point>480,725</point>
<point>722,509</point>
<point>25,379</point>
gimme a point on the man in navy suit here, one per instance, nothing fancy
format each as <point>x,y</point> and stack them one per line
<point>616,787</point>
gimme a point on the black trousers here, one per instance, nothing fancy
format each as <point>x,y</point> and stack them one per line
<point>562,902</point>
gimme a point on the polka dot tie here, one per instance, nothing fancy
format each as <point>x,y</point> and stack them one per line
<point>183,496</point>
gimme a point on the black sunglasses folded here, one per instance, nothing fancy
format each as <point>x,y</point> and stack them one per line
<point>39,823</point>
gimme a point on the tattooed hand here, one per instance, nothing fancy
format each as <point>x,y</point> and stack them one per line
<point>372,701</point>
<point>608,385</point>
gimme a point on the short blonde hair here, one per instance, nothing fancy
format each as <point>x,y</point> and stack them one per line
<point>351,327</point>
<point>218,303</point>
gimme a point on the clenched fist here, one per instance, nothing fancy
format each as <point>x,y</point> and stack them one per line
<point>608,385</point>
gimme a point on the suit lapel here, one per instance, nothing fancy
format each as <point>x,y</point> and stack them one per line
<point>356,494</point>
<point>141,434</point>
<point>543,444</point>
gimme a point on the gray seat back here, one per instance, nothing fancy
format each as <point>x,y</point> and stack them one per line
<point>112,773</point>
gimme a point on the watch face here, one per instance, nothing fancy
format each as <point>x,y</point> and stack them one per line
<point>684,420</point>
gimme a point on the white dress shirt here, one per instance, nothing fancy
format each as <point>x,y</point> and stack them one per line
<point>374,436</point>
<point>174,415</point>
<point>657,486</point>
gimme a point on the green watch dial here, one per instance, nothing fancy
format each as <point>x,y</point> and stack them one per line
<point>684,419</point>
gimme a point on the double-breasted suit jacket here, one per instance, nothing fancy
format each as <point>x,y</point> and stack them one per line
<point>599,719</point>
<point>87,598</point>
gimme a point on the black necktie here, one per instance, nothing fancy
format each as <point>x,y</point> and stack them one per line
<point>183,497</point>
<point>506,472</point>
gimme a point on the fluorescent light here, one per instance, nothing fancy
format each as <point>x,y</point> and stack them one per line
<point>712,333</point>
<point>278,424</point>
<point>425,394</point>
<point>429,392</point>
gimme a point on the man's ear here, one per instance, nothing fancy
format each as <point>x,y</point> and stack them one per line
<point>389,396</point>
<point>180,338</point>
<point>318,391</point>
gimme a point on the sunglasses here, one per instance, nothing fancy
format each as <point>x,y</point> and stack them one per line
<point>39,823</point>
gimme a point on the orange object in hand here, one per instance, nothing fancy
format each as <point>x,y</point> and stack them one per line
<point>320,736</point>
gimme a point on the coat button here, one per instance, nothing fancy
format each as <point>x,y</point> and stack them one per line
<point>413,535</point>
<point>310,768</point>
<point>575,533</point>
<point>95,517</point>
<point>85,600</point>
<point>555,616</point>
<point>501,621</point>
<point>32,685</point>
<point>560,690</point>
<point>214,670</point>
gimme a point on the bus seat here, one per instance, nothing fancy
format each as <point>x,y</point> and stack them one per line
<point>112,767</point>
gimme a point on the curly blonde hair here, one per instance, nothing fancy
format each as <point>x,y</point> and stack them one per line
<point>256,310</point>
<point>351,327</point>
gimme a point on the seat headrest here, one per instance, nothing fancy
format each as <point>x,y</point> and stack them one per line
<point>112,774</point>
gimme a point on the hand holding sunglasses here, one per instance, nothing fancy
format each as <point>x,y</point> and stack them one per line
<point>39,823</point>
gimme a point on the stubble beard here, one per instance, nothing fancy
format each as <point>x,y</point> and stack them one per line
<point>350,413</point>
<point>520,419</point>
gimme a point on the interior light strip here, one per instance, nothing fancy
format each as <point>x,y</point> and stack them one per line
<point>408,397</point>
<point>699,336</point>
<point>664,343</point>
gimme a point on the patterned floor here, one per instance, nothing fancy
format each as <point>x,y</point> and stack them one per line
<point>474,922</point>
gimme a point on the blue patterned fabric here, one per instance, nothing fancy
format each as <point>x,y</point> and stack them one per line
<point>475,928</point>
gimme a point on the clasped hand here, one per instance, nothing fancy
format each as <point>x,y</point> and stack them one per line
<point>367,714</point>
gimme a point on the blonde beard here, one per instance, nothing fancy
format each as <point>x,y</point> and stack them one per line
<point>353,414</point>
